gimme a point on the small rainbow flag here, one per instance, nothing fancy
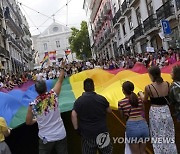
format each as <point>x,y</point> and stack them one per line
<point>45,59</point>
<point>67,52</point>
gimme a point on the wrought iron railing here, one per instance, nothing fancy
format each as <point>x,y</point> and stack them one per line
<point>165,10</point>
<point>150,22</point>
<point>138,31</point>
<point>124,6</point>
<point>116,17</point>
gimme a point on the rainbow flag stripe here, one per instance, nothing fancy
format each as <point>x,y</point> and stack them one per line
<point>13,106</point>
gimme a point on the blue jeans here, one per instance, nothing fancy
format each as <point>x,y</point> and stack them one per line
<point>137,129</point>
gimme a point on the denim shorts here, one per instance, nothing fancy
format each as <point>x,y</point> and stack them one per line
<point>137,129</point>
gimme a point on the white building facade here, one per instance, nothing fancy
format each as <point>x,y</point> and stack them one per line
<point>101,32</point>
<point>16,38</point>
<point>4,53</point>
<point>54,38</point>
<point>136,24</point>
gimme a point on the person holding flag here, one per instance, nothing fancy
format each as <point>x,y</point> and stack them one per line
<point>45,111</point>
<point>45,59</point>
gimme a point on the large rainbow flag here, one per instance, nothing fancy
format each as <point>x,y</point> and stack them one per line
<point>13,104</point>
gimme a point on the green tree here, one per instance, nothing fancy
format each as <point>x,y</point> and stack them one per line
<point>79,41</point>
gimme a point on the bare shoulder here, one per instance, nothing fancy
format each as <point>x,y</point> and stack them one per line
<point>147,87</point>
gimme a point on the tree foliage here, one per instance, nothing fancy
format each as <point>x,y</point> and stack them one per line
<point>79,41</point>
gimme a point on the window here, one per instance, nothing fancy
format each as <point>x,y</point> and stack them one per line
<point>124,29</point>
<point>164,1</point>
<point>130,22</point>
<point>149,7</point>
<point>45,46</point>
<point>138,14</point>
<point>119,34</point>
<point>58,44</point>
<point>55,29</point>
<point>114,6</point>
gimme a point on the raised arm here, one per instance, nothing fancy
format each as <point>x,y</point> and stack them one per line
<point>57,87</point>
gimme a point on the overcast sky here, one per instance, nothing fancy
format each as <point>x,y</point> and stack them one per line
<point>48,7</point>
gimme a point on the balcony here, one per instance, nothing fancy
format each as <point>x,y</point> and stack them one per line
<point>26,29</point>
<point>10,22</point>
<point>165,10</point>
<point>138,31</point>
<point>116,17</point>
<point>103,16</point>
<point>178,4</point>
<point>107,8</point>
<point>25,56</point>
<point>28,42</point>
<point>14,42</point>
<point>4,52</point>
<point>1,12</point>
<point>30,57</point>
<point>124,6</point>
<point>150,23</point>
<point>15,12</point>
<point>99,22</point>
<point>3,32</point>
<point>133,2</point>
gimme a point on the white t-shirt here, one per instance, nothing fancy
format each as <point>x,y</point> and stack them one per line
<point>40,76</point>
<point>37,77</point>
<point>50,75</point>
<point>1,84</point>
<point>44,76</point>
<point>48,117</point>
<point>57,74</point>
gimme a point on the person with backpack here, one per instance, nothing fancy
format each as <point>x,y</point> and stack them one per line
<point>175,91</point>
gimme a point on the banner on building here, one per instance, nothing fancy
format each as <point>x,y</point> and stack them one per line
<point>149,49</point>
<point>52,55</point>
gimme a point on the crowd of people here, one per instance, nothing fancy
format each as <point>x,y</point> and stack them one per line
<point>8,81</point>
<point>90,109</point>
<point>161,58</point>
